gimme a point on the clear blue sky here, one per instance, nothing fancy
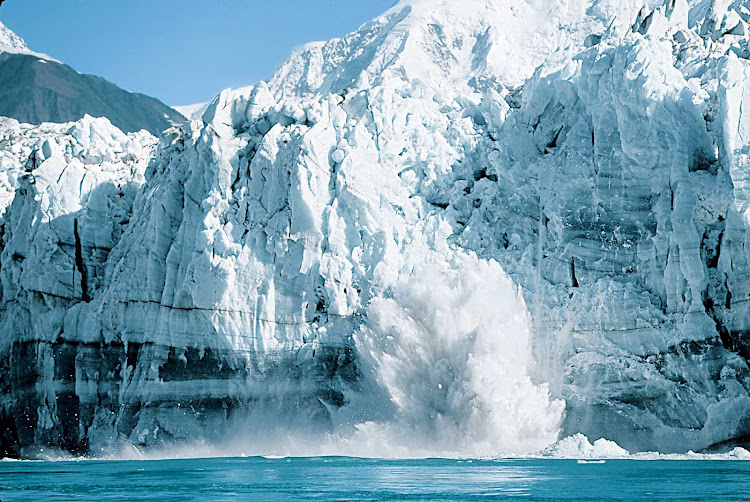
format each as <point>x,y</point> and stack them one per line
<point>181,51</point>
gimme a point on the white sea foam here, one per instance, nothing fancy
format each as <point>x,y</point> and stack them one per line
<point>576,447</point>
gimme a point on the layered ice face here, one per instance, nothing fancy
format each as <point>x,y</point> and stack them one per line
<point>434,233</point>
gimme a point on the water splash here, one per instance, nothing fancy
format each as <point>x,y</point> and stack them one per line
<point>450,348</point>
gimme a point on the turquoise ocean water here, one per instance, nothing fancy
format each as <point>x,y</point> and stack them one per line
<point>341,478</point>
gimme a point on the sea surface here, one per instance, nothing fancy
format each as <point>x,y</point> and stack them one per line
<point>339,478</point>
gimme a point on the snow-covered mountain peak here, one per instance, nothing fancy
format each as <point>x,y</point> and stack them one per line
<point>481,44</point>
<point>12,43</point>
<point>449,44</point>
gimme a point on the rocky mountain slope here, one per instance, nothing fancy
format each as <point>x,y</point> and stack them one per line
<point>465,228</point>
<point>35,88</point>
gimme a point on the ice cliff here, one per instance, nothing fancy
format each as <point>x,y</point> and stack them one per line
<point>467,227</point>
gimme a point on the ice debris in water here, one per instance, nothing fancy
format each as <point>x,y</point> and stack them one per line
<point>578,446</point>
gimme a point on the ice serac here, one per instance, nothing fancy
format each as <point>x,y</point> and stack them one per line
<point>401,237</point>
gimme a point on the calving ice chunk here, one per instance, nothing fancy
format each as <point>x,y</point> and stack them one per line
<point>451,347</point>
<point>468,227</point>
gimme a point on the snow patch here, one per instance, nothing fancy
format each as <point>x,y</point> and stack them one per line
<point>10,42</point>
<point>193,112</point>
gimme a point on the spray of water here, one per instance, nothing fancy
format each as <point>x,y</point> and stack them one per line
<point>449,347</point>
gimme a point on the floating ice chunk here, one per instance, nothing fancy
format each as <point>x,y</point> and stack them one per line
<point>579,446</point>
<point>740,453</point>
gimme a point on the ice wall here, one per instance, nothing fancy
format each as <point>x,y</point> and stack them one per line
<point>74,189</point>
<point>339,250</point>
<point>623,216</point>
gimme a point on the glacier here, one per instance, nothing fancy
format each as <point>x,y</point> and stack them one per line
<point>467,228</point>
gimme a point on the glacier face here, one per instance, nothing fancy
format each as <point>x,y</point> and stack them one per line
<point>74,189</point>
<point>340,248</point>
